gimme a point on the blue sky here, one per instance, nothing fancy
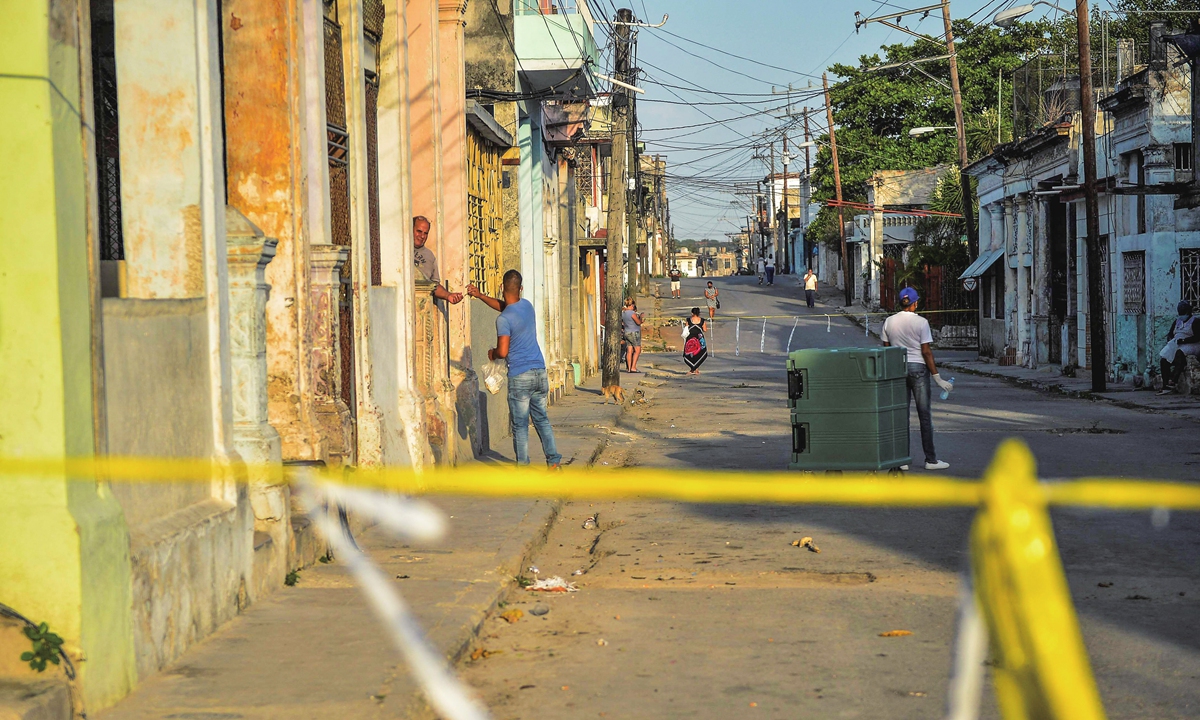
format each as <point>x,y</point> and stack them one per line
<point>800,37</point>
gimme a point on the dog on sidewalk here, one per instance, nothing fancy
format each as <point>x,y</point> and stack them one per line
<point>614,393</point>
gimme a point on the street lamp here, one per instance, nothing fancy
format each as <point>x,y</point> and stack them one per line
<point>928,129</point>
<point>1087,111</point>
<point>1009,17</point>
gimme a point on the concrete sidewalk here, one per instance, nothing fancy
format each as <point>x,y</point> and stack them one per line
<point>316,650</point>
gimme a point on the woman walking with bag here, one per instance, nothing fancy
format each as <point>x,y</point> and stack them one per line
<point>695,349</point>
<point>710,298</point>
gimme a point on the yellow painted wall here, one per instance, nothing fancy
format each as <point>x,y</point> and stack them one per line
<point>66,548</point>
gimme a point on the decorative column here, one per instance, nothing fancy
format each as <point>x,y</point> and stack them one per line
<point>1022,248</point>
<point>1012,261</point>
<point>395,235</point>
<point>265,136</point>
<point>875,254</point>
<point>249,253</point>
<point>334,422</point>
<point>432,373</point>
<point>454,259</point>
<point>996,214</point>
<point>1040,352</point>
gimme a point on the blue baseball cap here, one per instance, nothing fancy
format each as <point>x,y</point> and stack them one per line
<point>908,296</point>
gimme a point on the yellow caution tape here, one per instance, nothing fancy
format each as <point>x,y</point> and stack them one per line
<point>1040,664</point>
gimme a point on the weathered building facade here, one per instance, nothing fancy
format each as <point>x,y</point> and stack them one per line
<point>1031,274</point>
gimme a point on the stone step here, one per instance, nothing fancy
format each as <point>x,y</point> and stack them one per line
<point>47,699</point>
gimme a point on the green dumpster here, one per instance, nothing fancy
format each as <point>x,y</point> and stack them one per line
<point>849,409</point>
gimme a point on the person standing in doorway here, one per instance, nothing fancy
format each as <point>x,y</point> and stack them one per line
<point>810,288</point>
<point>676,276</point>
<point>710,298</point>
<point>528,386</point>
<point>426,261</point>
<point>631,322</point>
<point>910,331</point>
<point>770,269</point>
<point>761,269</point>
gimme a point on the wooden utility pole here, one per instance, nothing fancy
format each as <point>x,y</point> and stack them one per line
<point>837,190</point>
<point>960,128</point>
<point>610,363</point>
<point>787,221</point>
<point>807,200</point>
<point>774,215</point>
<point>1087,108</point>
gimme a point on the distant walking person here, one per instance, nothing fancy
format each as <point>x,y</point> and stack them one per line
<point>516,341</point>
<point>1183,339</point>
<point>810,288</point>
<point>710,299</point>
<point>695,349</point>
<point>761,269</point>
<point>910,331</point>
<point>770,269</point>
<point>675,278</point>
<point>631,321</point>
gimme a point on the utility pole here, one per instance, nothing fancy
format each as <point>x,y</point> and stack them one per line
<point>774,216</point>
<point>1087,107</point>
<point>960,128</point>
<point>634,208</point>
<point>891,21</point>
<point>618,188</point>
<point>787,221</point>
<point>837,189</point>
<point>807,198</point>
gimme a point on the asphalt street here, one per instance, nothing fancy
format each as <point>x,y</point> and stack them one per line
<point>708,610</point>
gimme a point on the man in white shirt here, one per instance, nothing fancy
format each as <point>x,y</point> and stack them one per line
<point>910,331</point>
<point>761,270</point>
<point>810,288</point>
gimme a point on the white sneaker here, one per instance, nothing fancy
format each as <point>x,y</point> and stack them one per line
<point>939,465</point>
<point>904,468</point>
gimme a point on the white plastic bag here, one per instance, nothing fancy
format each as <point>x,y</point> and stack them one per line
<point>1168,352</point>
<point>493,375</point>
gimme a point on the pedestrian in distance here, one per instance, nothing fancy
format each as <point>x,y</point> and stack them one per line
<point>631,322</point>
<point>426,261</point>
<point>810,288</point>
<point>910,331</point>
<point>695,348</point>
<point>1183,340</point>
<point>770,269</point>
<point>710,299</point>
<point>528,386</point>
<point>675,276</point>
<point>761,269</point>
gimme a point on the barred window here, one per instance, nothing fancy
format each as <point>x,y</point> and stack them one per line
<point>1134,277</point>
<point>1183,156</point>
<point>1189,276</point>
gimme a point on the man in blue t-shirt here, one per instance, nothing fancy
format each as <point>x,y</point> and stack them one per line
<point>516,341</point>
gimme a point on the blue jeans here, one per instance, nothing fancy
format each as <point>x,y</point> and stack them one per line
<point>919,391</point>
<point>526,399</point>
<point>770,276</point>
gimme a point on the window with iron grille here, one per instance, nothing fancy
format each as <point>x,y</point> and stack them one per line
<point>1133,266</point>
<point>108,139</point>
<point>583,175</point>
<point>1183,156</point>
<point>483,213</point>
<point>339,193</point>
<point>1189,276</point>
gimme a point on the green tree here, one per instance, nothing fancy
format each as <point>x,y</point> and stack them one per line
<point>875,109</point>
